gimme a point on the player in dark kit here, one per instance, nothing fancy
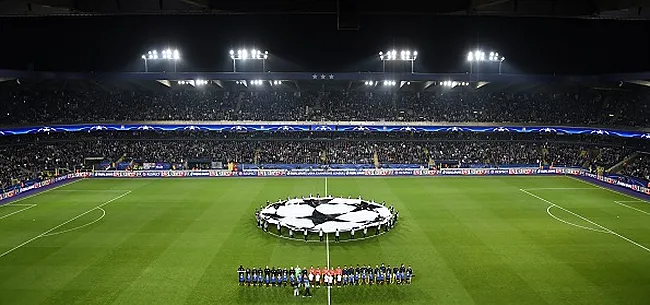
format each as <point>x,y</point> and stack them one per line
<point>248,277</point>
<point>409,275</point>
<point>241,275</point>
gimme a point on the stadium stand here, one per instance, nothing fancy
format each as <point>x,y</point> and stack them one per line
<point>79,101</point>
<point>33,157</point>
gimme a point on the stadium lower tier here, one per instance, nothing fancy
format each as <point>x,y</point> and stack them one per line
<point>31,158</point>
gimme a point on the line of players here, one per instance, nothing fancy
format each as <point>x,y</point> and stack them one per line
<point>359,275</point>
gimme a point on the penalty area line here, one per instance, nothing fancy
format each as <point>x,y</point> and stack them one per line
<point>606,188</point>
<point>60,225</point>
<point>29,206</point>
<point>41,192</point>
<point>587,220</point>
<point>631,207</point>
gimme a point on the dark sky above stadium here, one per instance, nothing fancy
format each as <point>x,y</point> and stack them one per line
<point>313,43</point>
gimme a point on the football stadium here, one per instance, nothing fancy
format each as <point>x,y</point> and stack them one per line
<point>268,180</point>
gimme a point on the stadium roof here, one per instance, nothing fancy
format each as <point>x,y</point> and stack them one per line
<point>358,81</point>
<point>607,9</point>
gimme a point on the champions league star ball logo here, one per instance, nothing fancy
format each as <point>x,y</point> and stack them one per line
<point>327,214</point>
<point>46,129</point>
<point>600,132</point>
<point>323,128</point>
<point>98,128</point>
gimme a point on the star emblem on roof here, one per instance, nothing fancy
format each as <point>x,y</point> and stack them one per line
<point>314,76</point>
<point>331,76</point>
<point>322,76</point>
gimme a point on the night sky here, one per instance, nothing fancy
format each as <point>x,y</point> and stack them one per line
<point>312,42</point>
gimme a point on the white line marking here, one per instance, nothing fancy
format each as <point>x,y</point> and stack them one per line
<point>96,191</point>
<point>16,212</point>
<point>548,210</point>
<point>587,220</point>
<point>42,192</point>
<point>78,227</point>
<point>631,207</point>
<point>604,188</point>
<point>63,224</point>
<point>325,187</point>
<point>327,247</point>
<point>26,204</point>
<point>561,188</point>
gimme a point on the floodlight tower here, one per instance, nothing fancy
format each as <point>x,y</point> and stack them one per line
<point>243,54</point>
<point>478,56</point>
<point>167,55</point>
<point>393,55</point>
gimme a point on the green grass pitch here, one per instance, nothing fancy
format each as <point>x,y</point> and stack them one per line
<point>470,240</point>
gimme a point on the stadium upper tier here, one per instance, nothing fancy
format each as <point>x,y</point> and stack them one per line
<point>89,101</point>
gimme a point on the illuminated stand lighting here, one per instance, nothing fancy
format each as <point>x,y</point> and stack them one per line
<point>257,82</point>
<point>452,84</point>
<point>478,56</point>
<point>390,83</point>
<point>403,55</point>
<point>166,55</point>
<point>198,82</point>
<point>276,83</point>
<point>370,83</point>
<point>243,54</point>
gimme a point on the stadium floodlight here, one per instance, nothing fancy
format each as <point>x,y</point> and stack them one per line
<point>201,82</point>
<point>479,56</point>
<point>390,83</point>
<point>393,55</point>
<point>167,55</point>
<point>453,84</point>
<point>369,83</point>
<point>244,54</point>
<point>256,82</point>
<point>276,82</point>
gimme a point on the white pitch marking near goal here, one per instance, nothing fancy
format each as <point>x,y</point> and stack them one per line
<point>548,210</point>
<point>79,227</point>
<point>561,188</point>
<point>45,191</point>
<point>604,188</point>
<point>587,220</point>
<point>95,191</point>
<point>631,207</point>
<point>63,224</point>
<point>28,206</point>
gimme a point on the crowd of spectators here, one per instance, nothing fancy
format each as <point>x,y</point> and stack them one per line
<point>29,104</point>
<point>638,167</point>
<point>34,156</point>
